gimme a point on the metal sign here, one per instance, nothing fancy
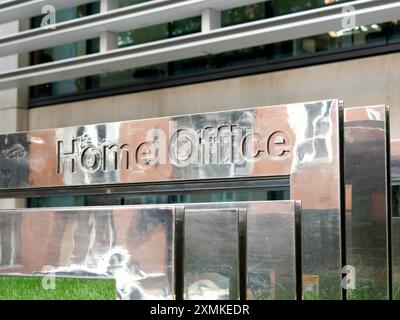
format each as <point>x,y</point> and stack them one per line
<point>301,141</point>
<point>253,142</point>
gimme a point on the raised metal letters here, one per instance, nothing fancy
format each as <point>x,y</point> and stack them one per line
<point>213,146</point>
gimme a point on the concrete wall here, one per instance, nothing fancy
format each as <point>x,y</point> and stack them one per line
<point>367,81</point>
<point>13,102</point>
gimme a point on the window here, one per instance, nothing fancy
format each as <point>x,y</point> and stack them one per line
<point>64,52</point>
<point>396,201</point>
<point>234,63</point>
<point>199,196</point>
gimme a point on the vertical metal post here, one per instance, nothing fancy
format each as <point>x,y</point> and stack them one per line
<point>367,203</point>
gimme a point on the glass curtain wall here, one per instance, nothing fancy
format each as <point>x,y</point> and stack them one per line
<point>360,37</point>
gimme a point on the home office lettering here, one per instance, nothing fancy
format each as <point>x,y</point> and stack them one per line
<point>227,144</point>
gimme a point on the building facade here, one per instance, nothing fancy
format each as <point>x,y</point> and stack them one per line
<point>80,62</point>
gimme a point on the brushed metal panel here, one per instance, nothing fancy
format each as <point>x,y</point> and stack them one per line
<point>367,209</point>
<point>133,244</point>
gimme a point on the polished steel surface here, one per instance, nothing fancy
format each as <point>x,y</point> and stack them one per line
<point>272,270</point>
<point>132,244</point>
<point>266,141</point>
<point>395,160</point>
<point>297,140</point>
<point>137,246</point>
<point>395,172</point>
<point>396,257</point>
<point>366,153</point>
<point>272,257</point>
<point>211,254</point>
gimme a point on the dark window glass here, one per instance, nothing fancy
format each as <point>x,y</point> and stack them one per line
<point>396,201</point>
<point>64,52</point>
<point>71,201</point>
<point>124,3</point>
<point>162,198</point>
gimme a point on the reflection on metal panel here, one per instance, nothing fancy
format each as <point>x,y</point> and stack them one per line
<point>396,257</point>
<point>211,145</point>
<point>134,245</point>
<point>271,251</point>
<point>211,254</point>
<point>151,254</point>
<point>395,173</point>
<point>395,160</point>
<point>366,175</point>
<point>300,140</point>
<point>271,265</point>
<point>317,154</point>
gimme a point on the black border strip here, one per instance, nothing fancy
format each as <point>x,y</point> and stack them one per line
<point>179,252</point>
<point>389,204</point>
<point>230,183</point>
<point>298,246</point>
<point>342,193</point>
<point>243,253</point>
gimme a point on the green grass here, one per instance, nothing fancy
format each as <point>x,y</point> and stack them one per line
<point>366,291</point>
<point>310,296</point>
<point>30,288</point>
<point>396,294</point>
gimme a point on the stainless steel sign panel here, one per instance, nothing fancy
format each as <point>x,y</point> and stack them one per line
<point>300,140</point>
<point>395,172</point>
<point>251,246</point>
<point>273,262</point>
<point>222,253</point>
<point>366,154</point>
<point>211,254</point>
<point>267,141</point>
<point>134,245</point>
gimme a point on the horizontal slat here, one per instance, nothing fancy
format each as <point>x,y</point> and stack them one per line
<point>267,31</point>
<point>18,9</point>
<point>128,18</point>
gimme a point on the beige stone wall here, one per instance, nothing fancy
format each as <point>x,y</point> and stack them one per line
<point>13,102</point>
<point>367,81</point>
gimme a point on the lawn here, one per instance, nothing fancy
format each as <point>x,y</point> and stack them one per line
<point>30,288</point>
